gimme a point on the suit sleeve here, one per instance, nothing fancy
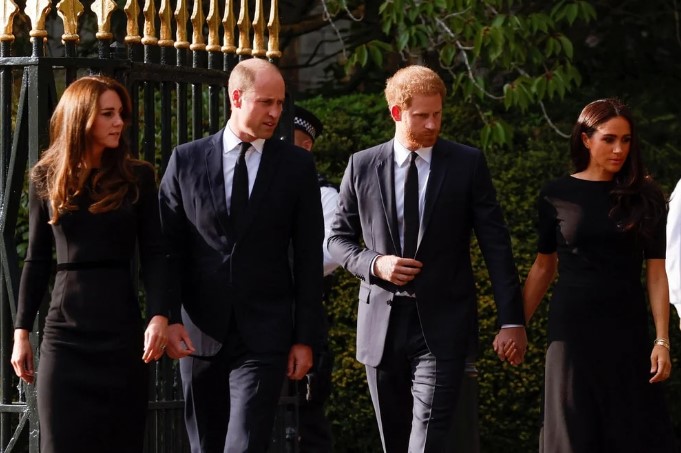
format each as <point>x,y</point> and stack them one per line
<point>35,276</point>
<point>174,228</point>
<point>346,230</point>
<point>307,239</point>
<point>154,257</point>
<point>495,243</point>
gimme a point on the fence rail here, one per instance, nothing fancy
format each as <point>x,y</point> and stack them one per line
<point>175,67</point>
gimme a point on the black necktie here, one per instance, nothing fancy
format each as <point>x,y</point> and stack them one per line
<point>411,209</point>
<point>240,187</point>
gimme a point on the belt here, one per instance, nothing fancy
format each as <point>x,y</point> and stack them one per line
<point>104,264</point>
<point>402,301</point>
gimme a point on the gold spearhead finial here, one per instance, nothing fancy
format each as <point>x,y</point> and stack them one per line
<point>181,20</point>
<point>69,11</point>
<point>228,23</point>
<point>166,33</point>
<point>37,11</point>
<point>259,31</point>
<point>103,10</point>
<point>149,11</point>
<point>244,24</point>
<point>273,28</point>
<point>132,12</point>
<point>197,24</point>
<point>8,9</point>
<point>213,21</point>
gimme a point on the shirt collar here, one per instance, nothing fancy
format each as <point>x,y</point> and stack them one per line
<point>231,141</point>
<point>402,153</point>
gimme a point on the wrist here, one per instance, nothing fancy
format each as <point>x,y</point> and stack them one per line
<point>662,341</point>
<point>20,334</point>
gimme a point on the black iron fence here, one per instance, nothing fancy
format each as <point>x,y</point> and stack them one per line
<point>176,80</point>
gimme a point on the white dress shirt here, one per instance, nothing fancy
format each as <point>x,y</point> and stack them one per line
<point>329,201</point>
<point>673,261</point>
<point>231,147</point>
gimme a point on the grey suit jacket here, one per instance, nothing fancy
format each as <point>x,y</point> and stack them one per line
<point>460,200</point>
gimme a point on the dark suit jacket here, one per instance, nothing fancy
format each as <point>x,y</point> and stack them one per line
<point>460,199</point>
<point>275,303</point>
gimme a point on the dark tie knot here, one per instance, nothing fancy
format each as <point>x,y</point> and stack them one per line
<point>244,147</point>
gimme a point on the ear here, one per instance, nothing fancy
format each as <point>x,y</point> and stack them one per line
<point>586,141</point>
<point>396,112</point>
<point>236,98</point>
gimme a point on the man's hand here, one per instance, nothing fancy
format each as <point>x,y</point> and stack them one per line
<point>511,344</point>
<point>299,361</point>
<point>179,344</point>
<point>395,269</point>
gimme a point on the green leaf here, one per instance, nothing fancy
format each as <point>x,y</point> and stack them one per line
<point>402,40</point>
<point>362,55</point>
<point>567,45</point>
<point>376,54</point>
<point>571,13</point>
<point>447,54</point>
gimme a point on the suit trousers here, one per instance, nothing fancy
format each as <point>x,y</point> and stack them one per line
<point>231,398</point>
<point>414,393</point>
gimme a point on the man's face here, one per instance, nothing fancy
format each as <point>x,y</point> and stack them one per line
<point>418,125</point>
<point>302,139</point>
<point>256,112</point>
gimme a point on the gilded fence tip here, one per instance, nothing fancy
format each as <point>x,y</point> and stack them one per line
<point>102,10</point>
<point>166,32</point>
<point>197,24</point>
<point>228,24</point>
<point>149,11</point>
<point>213,22</point>
<point>244,24</point>
<point>273,27</point>
<point>132,12</point>
<point>8,9</point>
<point>70,11</point>
<point>259,50</point>
<point>181,41</point>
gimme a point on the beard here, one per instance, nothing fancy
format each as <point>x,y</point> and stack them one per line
<point>421,140</point>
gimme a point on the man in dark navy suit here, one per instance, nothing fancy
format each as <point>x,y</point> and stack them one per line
<point>231,206</point>
<point>406,212</point>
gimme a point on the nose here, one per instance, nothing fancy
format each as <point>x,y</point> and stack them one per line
<point>118,120</point>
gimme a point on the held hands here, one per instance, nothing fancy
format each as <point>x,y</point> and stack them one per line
<point>396,270</point>
<point>155,338</point>
<point>179,343</point>
<point>299,361</point>
<point>660,364</point>
<point>510,344</point>
<point>22,356</point>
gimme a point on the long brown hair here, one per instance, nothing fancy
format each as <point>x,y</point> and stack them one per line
<point>61,173</point>
<point>638,202</point>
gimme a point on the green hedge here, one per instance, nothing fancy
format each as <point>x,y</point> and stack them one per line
<point>509,398</point>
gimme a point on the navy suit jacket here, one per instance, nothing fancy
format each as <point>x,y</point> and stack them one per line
<point>460,199</point>
<point>276,300</point>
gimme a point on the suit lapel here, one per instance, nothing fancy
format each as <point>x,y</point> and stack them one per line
<point>268,164</point>
<point>438,172</point>
<point>216,180</point>
<point>386,184</point>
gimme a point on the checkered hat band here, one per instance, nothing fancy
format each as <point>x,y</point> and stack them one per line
<point>306,126</point>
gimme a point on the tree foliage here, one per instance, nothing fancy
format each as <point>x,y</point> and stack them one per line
<point>513,54</point>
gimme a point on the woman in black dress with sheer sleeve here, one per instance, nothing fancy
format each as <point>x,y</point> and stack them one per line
<point>596,227</point>
<point>95,203</point>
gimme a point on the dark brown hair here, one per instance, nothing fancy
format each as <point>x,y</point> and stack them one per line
<point>61,173</point>
<point>638,202</point>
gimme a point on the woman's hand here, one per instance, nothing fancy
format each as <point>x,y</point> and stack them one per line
<point>155,338</point>
<point>22,356</point>
<point>660,364</point>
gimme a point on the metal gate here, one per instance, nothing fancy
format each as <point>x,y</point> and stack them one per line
<point>176,80</point>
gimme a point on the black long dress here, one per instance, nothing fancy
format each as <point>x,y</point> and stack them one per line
<point>597,394</point>
<point>92,382</point>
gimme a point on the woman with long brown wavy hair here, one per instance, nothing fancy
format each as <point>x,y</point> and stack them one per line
<point>96,203</point>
